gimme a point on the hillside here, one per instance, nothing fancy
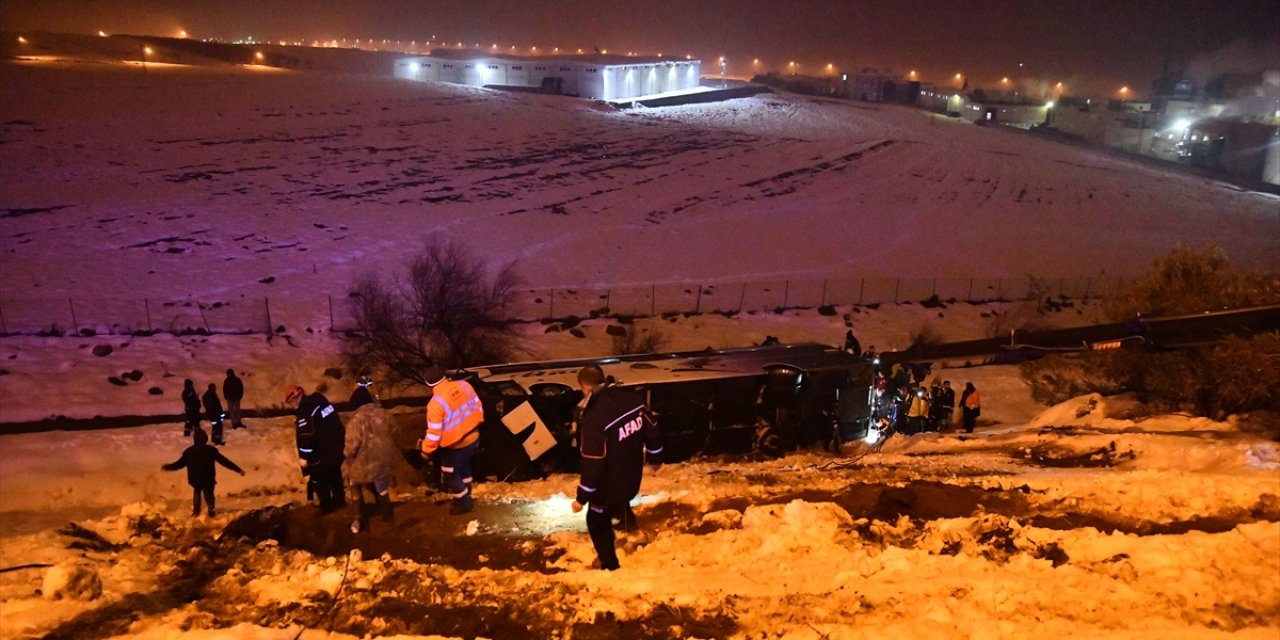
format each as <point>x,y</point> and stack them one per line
<point>204,181</point>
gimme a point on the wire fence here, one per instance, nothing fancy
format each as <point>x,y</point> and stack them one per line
<point>143,316</point>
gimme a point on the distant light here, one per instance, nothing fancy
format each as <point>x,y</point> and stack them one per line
<point>181,33</point>
<point>1004,80</point>
<point>755,61</point>
<point>102,33</point>
<point>1182,124</point>
<point>413,66</point>
<point>22,40</point>
<point>259,56</point>
<point>1049,104</point>
<point>147,50</point>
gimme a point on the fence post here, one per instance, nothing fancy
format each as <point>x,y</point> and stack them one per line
<point>75,324</point>
<point>824,293</point>
<point>1087,283</point>
<point>999,288</point>
<point>697,302</point>
<point>742,297</point>
<point>786,292</point>
<point>331,327</point>
<point>970,289</point>
<point>608,297</point>
<point>200,308</point>
<point>861,290</point>
<point>266,303</point>
<point>935,287</point>
<point>897,282</point>
<point>551,314</point>
<point>653,300</point>
<point>146,306</point>
<point>4,329</point>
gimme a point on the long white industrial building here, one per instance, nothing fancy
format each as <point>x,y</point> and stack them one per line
<point>599,77</point>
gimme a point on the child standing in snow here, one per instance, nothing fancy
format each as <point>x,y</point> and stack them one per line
<point>201,474</point>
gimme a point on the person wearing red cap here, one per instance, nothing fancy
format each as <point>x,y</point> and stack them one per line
<point>454,416</point>
<point>320,437</point>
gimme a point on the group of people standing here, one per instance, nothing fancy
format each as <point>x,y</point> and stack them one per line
<point>192,403</point>
<point>902,400</point>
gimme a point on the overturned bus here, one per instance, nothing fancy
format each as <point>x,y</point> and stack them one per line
<point>765,400</point>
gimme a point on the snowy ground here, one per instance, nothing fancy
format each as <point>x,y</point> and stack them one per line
<point>1086,519</point>
<point>233,184</point>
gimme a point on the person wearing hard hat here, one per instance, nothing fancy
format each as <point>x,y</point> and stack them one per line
<point>454,416</point>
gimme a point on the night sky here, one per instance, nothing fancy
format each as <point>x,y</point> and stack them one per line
<point>1092,45</point>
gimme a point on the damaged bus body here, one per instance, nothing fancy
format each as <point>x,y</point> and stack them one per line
<point>767,400</point>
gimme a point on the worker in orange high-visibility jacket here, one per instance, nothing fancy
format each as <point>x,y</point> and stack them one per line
<point>454,415</point>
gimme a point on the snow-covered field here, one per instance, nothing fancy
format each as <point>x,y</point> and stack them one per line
<point>1083,520</point>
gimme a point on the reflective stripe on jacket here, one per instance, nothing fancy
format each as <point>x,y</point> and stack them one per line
<point>454,415</point>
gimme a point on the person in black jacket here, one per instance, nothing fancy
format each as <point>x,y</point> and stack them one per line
<point>233,391</point>
<point>320,437</point>
<point>361,395</point>
<point>616,432</point>
<point>201,474</point>
<point>213,410</point>
<point>190,407</point>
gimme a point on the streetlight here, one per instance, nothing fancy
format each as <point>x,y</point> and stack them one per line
<point>146,51</point>
<point>259,57</point>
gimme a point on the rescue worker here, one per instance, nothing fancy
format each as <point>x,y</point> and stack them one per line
<point>190,407</point>
<point>213,410</point>
<point>616,435</point>
<point>320,437</point>
<point>454,416</point>
<point>361,395</point>
<point>917,411</point>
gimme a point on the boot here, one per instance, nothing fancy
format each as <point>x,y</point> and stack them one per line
<point>461,506</point>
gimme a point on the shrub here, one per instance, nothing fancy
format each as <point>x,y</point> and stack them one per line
<point>1058,378</point>
<point>445,309</point>
<point>636,340</point>
<point>1187,280</point>
<point>1237,375</point>
<point>1245,374</point>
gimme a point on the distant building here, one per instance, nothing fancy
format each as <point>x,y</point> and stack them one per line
<point>1123,125</point>
<point>599,77</point>
<point>941,99</point>
<point>1010,114</point>
<point>1250,150</point>
<point>870,85</point>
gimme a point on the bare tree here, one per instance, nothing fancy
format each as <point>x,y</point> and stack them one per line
<point>445,310</point>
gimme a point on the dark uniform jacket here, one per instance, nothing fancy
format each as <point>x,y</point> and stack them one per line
<point>198,459</point>
<point>320,434</point>
<point>616,433</point>
<point>212,405</point>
